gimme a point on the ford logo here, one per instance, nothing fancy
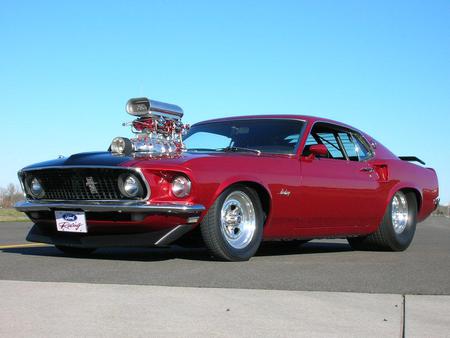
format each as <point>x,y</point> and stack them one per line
<point>70,217</point>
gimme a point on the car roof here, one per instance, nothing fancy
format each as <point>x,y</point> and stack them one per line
<point>307,118</point>
<point>310,120</point>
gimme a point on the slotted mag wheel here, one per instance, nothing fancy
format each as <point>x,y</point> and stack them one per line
<point>237,218</point>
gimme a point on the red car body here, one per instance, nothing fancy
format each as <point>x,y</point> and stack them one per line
<point>303,197</point>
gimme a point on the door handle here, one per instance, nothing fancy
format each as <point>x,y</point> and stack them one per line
<point>368,169</point>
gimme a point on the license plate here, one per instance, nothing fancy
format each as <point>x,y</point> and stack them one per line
<point>70,221</point>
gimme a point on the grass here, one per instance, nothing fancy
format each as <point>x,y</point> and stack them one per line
<point>11,215</point>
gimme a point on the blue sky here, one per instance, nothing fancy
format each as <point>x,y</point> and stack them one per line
<point>67,69</point>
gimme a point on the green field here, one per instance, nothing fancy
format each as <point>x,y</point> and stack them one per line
<point>11,215</point>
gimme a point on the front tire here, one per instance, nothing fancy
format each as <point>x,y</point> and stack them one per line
<point>397,228</point>
<point>233,227</point>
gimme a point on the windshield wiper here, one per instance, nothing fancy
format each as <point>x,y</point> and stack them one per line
<point>201,149</point>
<point>237,149</point>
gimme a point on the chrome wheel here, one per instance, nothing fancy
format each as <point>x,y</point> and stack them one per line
<point>399,212</point>
<point>238,220</point>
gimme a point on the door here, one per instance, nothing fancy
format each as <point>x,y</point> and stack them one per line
<point>339,192</point>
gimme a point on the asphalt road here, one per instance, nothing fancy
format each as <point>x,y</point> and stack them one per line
<point>326,265</point>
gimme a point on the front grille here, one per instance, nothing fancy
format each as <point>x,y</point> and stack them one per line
<point>81,183</point>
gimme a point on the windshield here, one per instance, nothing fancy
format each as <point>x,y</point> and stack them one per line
<point>279,136</point>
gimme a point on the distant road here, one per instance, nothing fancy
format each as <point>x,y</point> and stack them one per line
<point>326,265</point>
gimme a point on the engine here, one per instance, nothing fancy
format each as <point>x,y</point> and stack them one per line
<point>157,127</point>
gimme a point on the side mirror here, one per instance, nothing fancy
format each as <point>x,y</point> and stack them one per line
<point>318,150</point>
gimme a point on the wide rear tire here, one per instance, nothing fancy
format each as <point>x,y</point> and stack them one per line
<point>232,229</point>
<point>397,228</point>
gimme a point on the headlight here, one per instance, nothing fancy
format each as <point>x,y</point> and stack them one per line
<point>34,187</point>
<point>121,145</point>
<point>181,186</point>
<point>130,186</point>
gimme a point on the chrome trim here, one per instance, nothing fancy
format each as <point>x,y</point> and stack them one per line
<point>248,117</point>
<point>158,107</point>
<point>22,184</point>
<point>367,169</point>
<point>176,232</point>
<point>170,208</point>
<point>136,170</point>
<point>193,219</point>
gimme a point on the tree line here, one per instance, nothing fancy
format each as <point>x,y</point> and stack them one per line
<point>10,195</point>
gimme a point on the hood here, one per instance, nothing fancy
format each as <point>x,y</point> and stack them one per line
<point>103,158</point>
<point>106,158</point>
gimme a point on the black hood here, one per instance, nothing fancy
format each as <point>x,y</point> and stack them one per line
<point>103,158</point>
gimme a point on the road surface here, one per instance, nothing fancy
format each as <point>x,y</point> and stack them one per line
<point>325,265</point>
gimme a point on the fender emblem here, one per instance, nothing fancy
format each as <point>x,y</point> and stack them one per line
<point>90,183</point>
<point>284,192</point>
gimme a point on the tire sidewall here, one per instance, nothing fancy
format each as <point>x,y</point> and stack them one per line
<point>251,248</point>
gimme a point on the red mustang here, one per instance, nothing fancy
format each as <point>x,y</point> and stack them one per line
<point>233,182</point>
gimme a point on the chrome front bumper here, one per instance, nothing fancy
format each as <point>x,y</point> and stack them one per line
<point>131,207</point>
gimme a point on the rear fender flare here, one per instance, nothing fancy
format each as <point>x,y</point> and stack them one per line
<point>406,186</point>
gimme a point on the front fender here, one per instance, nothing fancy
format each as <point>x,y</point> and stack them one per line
<point>235,180</point>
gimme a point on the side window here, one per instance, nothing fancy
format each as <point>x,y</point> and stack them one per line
<point>341,142</point>
<point>355,147</point>
<point>322,134</point>
<point>310,140</point>
<point>349,146</point>
<point>330,141</point>
<point>362,148</point>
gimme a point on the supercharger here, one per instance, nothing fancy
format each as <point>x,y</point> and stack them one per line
<point>158,129</point>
